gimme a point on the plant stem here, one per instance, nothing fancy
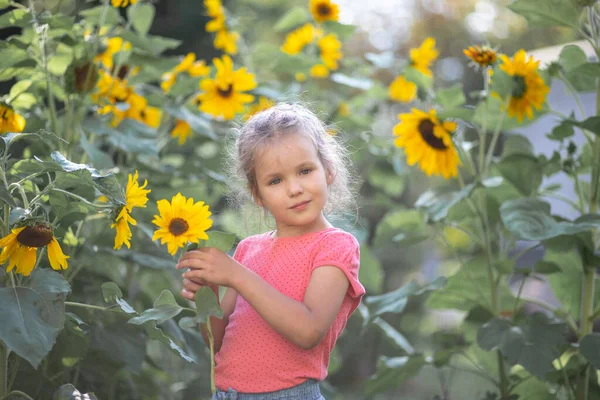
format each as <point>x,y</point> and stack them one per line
<point>212,356</point>
<point>15,393</point>
<point>3,370</point>
<point>91,307</point>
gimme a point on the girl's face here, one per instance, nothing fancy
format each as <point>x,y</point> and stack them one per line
<point>292,184</point>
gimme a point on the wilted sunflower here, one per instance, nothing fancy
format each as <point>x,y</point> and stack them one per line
<point>298,38</point>
<point>529,88</point>
<point>402,90</point>
<point>324,10</point>
<point>423,56</point>
<point>263,104</point>
<point>330,50</point>
<point>428,141</point>
<point>10,121</point>
<point>122,3</point>
<point>181,131</point>
<point>20,246</point>
<point>135,196</point>
<point>224,96</point>
<point>483,56</point>
<point>181,221</point>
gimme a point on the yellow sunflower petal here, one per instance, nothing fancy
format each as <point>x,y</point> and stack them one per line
<point>58,260</point>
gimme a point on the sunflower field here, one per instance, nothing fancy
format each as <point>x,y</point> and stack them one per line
<point>113,141</point>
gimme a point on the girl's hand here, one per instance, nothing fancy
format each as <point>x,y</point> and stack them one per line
<point>211,266</point>
<point>190,287</point>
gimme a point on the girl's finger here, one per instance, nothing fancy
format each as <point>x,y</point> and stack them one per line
<point>188,295</point>
<point>191,286</point>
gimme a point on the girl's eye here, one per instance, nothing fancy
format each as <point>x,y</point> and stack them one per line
<point>274,181</point>
<point>306,171</point>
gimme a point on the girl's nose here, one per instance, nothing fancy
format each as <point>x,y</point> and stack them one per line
<point>294,188</point>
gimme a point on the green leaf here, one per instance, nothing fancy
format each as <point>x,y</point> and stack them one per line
<point>565,284</point>
<point>220,240</point>
<point>534,345</point>
<point>141,17</point>
<point>130,141</point>
<point>546,267</point>
<point>591,124</point>
<point>98,158</point>
<point>27,327</point>
<point>396,300</point>
<point>436,202</point>
<point>523,172</point>
<point>197,122</point>
<point>92,15</point>
<point>401,227</point>
<point>165,307</point>
<point>561,132</point>
<point>583,78</point>
<point>343,31</point>
<point>4,4</point>
<point>113,295</point>
<point>590,349</point>
<point>69,392</point>
<point>395,337</point>
<point>571,57</point>
<point>383,176</point>
<point>206,304</point>
<point>11,56</point>
<point>18,18</point>
<point>530,219</point>
<point>60,61</point>
<point>420,79</point>
<point>547,12</point>
<point>53,288</point>
<point>451,97</point>
<point>292,19</point>
<point>370,272</point>
<point>533,389</point>
<point>392,372</point>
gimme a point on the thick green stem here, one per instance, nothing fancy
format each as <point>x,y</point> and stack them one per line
<point>211,343</point>
<point>3,370</point>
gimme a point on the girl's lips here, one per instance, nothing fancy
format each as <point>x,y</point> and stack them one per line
<point>300,206</point>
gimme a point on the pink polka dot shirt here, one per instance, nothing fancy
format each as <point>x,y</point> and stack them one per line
<point>254,358</point>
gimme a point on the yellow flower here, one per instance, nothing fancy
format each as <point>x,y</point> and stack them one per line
<point>216,24</point>
<point>224,96</point>
<point>135,196</point>
<point>111,90</point>
<point>114,45</point>
<point>481,56</point>
<point>263,104</point>
<point>330,50</point>
<point>402,90</point>
<point>300,76</point>
<point>324,10</point>
<point>529,89</point>
<point>319,71</point>
<point>10,121</point>
<point>298,38</point>
<point>227,41</point>
<point>122,3</point>
<point>168,80</point>
<point>422,57</point>
<point>428,141</point>
<point>214,8</point>
<point>181,221</point>
<point>181,131</point>
<point>20,246</point>
<point>343,109</point>
<point>188,64</point>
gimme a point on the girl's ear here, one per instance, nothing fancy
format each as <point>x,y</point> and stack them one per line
<point>257,200</point>
<point>330,177</point>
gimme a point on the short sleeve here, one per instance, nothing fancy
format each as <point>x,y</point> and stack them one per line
<point>342,250</point>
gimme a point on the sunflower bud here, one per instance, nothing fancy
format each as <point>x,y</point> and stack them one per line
<point>571,148</point>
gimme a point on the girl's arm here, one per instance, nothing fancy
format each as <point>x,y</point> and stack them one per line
<point>302,323</point>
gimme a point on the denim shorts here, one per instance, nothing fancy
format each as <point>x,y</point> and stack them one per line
<point>308,390</point>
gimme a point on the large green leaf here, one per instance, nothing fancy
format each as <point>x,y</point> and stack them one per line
<point>98,158</point>
<point>566,284</point>
<point>220,240</point>
<point>18,18</point>
<point>207,304</point>
<point>401,227</point>
<point>395,337</point>
<point>548,12</point>
<point>392,372</point>
<point>92,15</point>
<point>291,19</point>
<point>523,172</point>
<point>131,143</point>
<point>165,307</point>
<point>451,97</point>
<point>436,202</point>
<point>534,345</point>
<point>53,288</point>
<point>530,219</point>
<point>27,323</point>
<point>590,349</point>
<point>396,300</point>
<point>141,17</point>
<point>11,56</point>
<point>534,389</point>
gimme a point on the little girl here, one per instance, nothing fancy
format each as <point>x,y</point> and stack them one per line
<point>289,291</point>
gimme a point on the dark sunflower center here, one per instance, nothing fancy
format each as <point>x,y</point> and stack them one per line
<point>324,10</point>
<point>227,92</point>
<point>35,236</point>
<point>519,86</point>
<point>426,131</point>
<point>178,226</point>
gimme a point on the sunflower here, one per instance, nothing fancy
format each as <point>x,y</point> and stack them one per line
<point>113,46</point>
<point>226,41</point>
<point>423,56</point>
<point>181,221</point>
<point>122,3</point>
<point>298,38</point>
<point>188,64</point>
<point>330,50</point>
<point>529,89</point>
<point>135,196</point>
<point>324,10</point>
<point>10,121</point>
<point>319,71</point>
<point>402,90</point>
<point>181,131</point>
<point>483,56</point>
<point>20,246</point>
<point>224,96</point>
<point>427,141</point>
<point>300,76</point>
<point>343,109</point>
<point>263,104</point>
